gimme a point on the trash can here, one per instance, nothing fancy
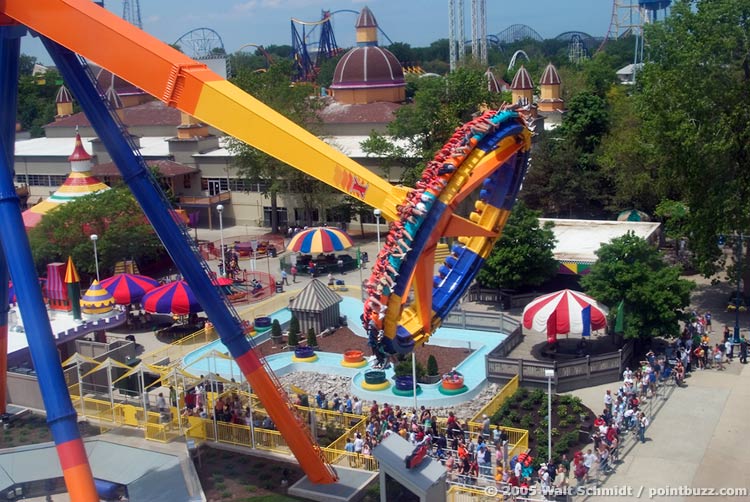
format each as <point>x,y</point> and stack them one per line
<point>279,287</point>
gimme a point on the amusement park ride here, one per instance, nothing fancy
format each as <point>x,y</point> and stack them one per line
<point>488,155</point>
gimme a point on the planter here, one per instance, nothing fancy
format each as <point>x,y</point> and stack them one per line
<point>375,380</point>
<point>304,355</point>
<point>428,380</point>
<point>354,359</point>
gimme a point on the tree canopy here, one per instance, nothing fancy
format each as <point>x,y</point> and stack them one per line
<point>272,87</point>
<point>630,270</point>
<point>117,219</point>
<point>696,115</point>
<point>523,255</point>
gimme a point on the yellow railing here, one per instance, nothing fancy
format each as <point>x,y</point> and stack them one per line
<point>461,493</point>
<point>349,459</point>
<point>496,402</point>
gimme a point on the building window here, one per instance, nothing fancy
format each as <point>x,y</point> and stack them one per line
<point>21,179</point>
<point>280,213</point>
<point>299,215</point>
<point>215,185</point>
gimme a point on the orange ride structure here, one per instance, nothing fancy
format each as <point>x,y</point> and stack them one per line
<point>489,155</point>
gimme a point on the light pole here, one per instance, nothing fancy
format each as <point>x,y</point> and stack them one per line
<point>377,213</point>
<point>95,238</point>
<point>550,374</point>
<point>220,209</point>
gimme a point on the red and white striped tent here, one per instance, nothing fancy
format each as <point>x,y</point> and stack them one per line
<point>565,312</point>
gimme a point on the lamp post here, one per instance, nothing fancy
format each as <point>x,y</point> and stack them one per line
<point>95,238</point>
<point>377,213</point>
<point>550,374</point>
<point>220,209</point>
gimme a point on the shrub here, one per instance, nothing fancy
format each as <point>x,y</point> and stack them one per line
<point>293,338</point>
<point>226,495</point>
<point>251,488</point>
<point>526,422</point>
<point>404,369</point>
<point>562,411</point>
<point>513,417</point>
<point>432,366</point>
<point>312,340</point>
<point>576,408</point>
<point>555,432</point>
<point>275,329</point>
<point>537,396</point>
<point>528,404</point>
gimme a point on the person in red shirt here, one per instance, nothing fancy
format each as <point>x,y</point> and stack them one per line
<point>374,409</point>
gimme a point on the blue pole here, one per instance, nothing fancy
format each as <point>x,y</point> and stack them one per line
<point>61,416</point>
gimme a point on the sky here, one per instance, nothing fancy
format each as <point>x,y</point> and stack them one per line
<point>416,22</point>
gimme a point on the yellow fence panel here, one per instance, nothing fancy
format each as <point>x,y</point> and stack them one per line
<point>496,402</point>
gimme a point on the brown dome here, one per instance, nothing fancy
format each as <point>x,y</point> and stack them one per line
<point>550,76</point>
<point>522,80</point>
<point>368,67</point>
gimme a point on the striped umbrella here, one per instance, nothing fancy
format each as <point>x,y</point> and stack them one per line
<point>320,240</point>
<point>564,312</point>
<point>128,288</point>
<point>172,298</point>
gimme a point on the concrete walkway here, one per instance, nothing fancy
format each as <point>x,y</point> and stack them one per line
<point>696,438</point>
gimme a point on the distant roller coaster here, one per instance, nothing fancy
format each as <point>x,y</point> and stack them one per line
<point>518,32</point>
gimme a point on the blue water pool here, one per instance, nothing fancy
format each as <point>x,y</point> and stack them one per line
<point>473,367</point>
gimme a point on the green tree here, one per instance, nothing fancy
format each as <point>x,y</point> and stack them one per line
<point>36,100</point>
<point>312,340</point>
<point>432,366</point>
<point>114,215</point>
<point>293,335</point>
<point>523,255</point>
<point>276,329</point>
<point>630,270</point>
<point>696,112</point>
<point>273,88</point>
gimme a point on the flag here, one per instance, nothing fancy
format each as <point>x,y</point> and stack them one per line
<point>586,319</point>
<point>620,319</point>
<point>552,328</point>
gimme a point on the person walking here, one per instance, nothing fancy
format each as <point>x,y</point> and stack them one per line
<point>293,270</point>
<point>284,278</point>
<point>743,350</point>
<point>643,423</point>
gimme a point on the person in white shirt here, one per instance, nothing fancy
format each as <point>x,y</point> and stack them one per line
<point>358,443</point>
<point>357,406</point>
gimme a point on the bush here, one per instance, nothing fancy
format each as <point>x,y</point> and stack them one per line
<point>293,338</point>
<point>294,326</point>
<point>312,340</point>
<point>528,404</point>
<point>562,411</point>
<point>275,329</point>
<point>513,417</point>
<point>432,366</point>
<point>537,396</point>
<point>404,369</point>
<point>526,422</point>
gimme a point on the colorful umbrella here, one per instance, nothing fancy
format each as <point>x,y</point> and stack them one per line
<point>172,298</point>
<point>564,312</point>
<point>128,288</point>
<point>633,215</point>
<point>320,240</point>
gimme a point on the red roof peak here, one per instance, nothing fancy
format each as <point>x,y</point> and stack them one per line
<point>366,19</point>
<point>79,153</point>
<point>550,76</point>
<point>63,95</point>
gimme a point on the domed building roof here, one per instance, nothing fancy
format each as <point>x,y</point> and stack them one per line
<point>522,80</point>
<point>368,67</point>
<point>63,95</point>
<point>550,76</point>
